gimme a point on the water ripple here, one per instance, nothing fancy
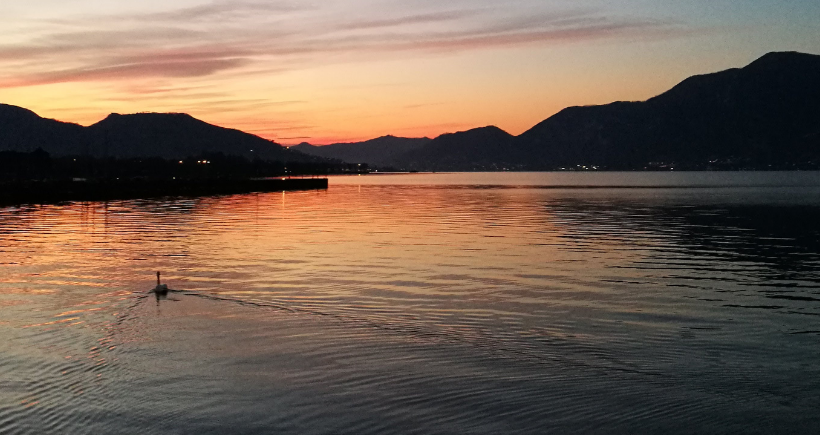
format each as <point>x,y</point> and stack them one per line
<point>415,305</point>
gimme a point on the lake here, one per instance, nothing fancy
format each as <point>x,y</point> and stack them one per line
<point>421,303</point>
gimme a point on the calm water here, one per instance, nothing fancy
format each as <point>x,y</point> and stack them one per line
<point>445,303</point>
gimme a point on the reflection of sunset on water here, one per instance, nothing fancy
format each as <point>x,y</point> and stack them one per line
<point>413,299</point>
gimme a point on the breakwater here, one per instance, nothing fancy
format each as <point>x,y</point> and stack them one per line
<point>35,192</point>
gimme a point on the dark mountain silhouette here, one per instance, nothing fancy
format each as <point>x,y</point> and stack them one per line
<point>383,151</point>
<point>176,135</point>
<point>140,135</point>
<point>764,115</point>
<point>486,148</point>
<point>23,130</point>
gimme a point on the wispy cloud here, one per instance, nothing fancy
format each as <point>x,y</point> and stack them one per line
<point>222,10</point>
<point>436,17</point>
<point>225,36</point>
<point>184,68</point>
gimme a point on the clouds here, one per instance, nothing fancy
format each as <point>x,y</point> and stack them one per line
<point>225,37</point>
<point>334,70</point>
<point>220,11</point>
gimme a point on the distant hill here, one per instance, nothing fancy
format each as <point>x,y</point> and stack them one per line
<point>486,148</point>
<point>172,135</point>
<point>766,114</point>
<point>140,135</point>
<point>383,151</point>
<point>23,130</point>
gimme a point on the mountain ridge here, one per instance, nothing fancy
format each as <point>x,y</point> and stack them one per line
<point>381,151</point>
<point>763,115</point>
<point>766,114</point>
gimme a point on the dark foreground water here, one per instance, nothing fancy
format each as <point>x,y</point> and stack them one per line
<point>465,303</point>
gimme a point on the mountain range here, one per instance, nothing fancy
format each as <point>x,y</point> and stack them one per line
<point>764,115</point>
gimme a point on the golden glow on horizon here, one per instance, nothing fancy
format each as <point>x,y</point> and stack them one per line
<point>347,102</point>
<point>367,68</point>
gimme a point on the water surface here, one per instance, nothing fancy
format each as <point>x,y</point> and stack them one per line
<point>424,303</point>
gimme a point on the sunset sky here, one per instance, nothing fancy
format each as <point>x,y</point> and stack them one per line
<point>344,70</point>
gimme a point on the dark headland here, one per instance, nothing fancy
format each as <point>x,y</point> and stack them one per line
<point>43,192</point>
<point>145,155</point>
<point>38,177</point>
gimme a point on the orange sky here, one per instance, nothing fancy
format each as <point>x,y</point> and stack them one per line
<point>347,70</point>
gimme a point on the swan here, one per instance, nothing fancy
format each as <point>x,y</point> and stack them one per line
<point>160,289</point>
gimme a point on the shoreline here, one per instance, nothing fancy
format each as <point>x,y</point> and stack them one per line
<point>45,192</point>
